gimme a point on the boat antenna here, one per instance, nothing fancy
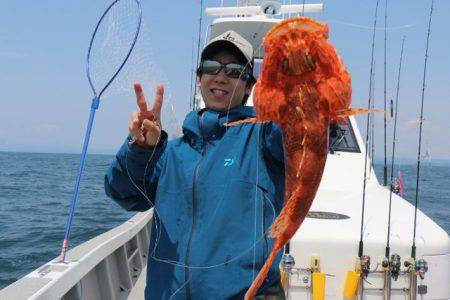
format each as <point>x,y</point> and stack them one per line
<point>385,55</point>
<point>393,151</point>
<point>200,22</point>
<point>369,106</point>
<point>413,247</point>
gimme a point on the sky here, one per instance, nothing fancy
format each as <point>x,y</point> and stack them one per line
<point>45,97</point>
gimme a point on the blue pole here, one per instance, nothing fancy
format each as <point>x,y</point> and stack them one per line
<point>65,245</point>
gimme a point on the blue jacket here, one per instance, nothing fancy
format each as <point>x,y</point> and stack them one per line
<point>216,191</point>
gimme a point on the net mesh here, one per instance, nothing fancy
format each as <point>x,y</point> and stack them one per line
<point>110,47</point>
<point>112,42</point>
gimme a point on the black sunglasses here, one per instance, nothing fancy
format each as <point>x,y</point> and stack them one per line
<point>232,70</point>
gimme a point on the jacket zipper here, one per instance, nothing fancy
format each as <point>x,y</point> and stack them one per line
<point>194,211</point>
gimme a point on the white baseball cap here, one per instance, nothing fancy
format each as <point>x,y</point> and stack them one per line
<point>233,38</point>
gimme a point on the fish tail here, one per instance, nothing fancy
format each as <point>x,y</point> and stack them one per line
<point>262,274</point>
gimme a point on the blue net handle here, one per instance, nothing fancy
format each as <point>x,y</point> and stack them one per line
<point>94,107</point>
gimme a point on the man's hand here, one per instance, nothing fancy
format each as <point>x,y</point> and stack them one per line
<point>145,125</point>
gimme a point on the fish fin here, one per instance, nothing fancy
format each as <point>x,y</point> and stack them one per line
<point>357,111</point>
<point>249,120</point>
<point>282,222</point>
<point>340,116</point>
<point>278,226</point>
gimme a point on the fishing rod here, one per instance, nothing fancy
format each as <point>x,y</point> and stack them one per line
<point>413,247</point>
<point>419,267</point>
<point>200,22</point>
<point>193,78</point>
<point>353,282</point>
<point>372,121</point>
<point>392,264</point>
<point>385,58</point>
<point>369,106</point>
<point>393,151</point>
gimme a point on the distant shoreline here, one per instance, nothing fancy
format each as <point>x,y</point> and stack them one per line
<point>377,160</point>
<point>57,153</point>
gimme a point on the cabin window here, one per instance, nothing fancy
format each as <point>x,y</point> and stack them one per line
<point>342,138</point>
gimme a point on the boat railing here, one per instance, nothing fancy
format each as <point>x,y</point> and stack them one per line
<point>105,267</point>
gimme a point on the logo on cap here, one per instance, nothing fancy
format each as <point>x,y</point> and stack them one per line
<point>230,38</point>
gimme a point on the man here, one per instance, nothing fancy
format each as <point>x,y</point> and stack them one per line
<point>215,191</point>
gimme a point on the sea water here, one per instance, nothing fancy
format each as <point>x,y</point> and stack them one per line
<point>36,190</point>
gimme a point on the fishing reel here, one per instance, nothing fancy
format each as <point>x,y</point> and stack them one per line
<point>365,265</point>
<point>417,267</point>
<point>421,267</point>
<point>394,266</point>
<point>287,263</point>
<point>288,269</point>
<point>409,263</point>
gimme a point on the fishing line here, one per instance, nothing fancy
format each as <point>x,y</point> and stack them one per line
<point>384,92</point>
<point>413,247</point>
<point>179,289</point>
<point>158,223</point>
<point>371,27</point>
<point>158,219</point>
<point>158,229</point>
<point>256,206</point>
<point>118,28</point>
<point>142,68</point>
<point>200,23</point>
<point>183,265</point>
<point>369,105</point>
<point>393,151</point>
<point>257,166</point>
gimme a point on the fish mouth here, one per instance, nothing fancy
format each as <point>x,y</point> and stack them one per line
<point>298,63</point>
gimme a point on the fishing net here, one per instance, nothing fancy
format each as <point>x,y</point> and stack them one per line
<point>117,29</point>
<point>112,43</point>
<point>141,67</point>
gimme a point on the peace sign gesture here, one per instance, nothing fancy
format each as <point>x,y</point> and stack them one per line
<point>145,125</point>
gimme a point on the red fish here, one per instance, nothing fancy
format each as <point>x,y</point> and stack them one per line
<point>304,86</point>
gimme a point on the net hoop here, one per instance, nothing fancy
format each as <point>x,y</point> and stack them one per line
<point>136,34</point>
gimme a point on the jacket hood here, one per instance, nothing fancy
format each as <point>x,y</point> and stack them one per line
<point>207,124</point>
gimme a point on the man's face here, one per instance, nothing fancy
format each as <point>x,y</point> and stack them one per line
<point>219,91</point>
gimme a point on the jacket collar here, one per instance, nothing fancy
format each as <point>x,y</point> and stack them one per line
<point>207,124</point>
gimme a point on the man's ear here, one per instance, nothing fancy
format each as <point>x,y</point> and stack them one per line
<point>197,81</point>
